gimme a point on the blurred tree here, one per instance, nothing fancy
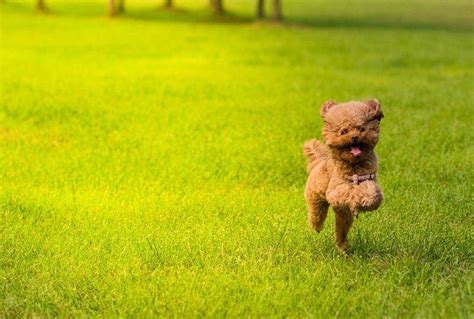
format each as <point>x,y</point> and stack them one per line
<point>260,9</point>
<point>277,14</point>
<point>121,6</point>
<point>40,5</point>
<point>217,7</point>
<point>111,8</point>
<point>168,4</point>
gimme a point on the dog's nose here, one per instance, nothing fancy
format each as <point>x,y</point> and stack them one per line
<point>355,139</point>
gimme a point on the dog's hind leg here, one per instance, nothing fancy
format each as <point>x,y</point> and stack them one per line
<point>317,210</point>
<point>344,221</point>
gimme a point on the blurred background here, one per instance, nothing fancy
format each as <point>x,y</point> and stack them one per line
<point>428,13</point>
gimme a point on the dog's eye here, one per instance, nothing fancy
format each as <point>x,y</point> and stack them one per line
<point>361,129</point>
<point>343,131</point>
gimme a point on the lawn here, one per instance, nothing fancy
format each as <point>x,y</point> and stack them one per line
<point>151,164</point>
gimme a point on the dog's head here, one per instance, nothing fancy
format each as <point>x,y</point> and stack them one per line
<point>351,130</point>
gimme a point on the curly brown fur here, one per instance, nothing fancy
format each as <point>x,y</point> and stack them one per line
<point>351,132</point>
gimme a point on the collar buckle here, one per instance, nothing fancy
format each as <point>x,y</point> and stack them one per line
<point>357,179</point>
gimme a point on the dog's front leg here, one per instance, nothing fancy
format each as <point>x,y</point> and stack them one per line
<point>317,210</point>
<point>340,196</point>
<point>344,221</point>
<point>355,198</point>
<point>367,196</point>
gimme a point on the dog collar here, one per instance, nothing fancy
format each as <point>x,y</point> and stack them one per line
<point>357,179</point>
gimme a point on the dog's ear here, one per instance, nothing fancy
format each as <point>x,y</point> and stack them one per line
<point>326,106</point>
<point>375,108</point>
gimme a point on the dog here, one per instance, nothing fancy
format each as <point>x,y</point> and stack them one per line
<point>343,168</point>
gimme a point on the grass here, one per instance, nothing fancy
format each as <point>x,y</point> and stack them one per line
<point>151,164</point>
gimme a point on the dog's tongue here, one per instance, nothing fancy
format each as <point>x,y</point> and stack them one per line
<point>355,150</point>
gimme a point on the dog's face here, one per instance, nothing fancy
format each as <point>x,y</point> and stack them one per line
<point>351,130</point>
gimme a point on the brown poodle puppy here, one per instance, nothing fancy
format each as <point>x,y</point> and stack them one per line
<point>342,171</point>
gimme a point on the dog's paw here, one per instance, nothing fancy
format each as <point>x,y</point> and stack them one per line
<point>369,204</point>
<point>343,247</point>
<point>370,199</point>
<point>318,227</point>
<point>314,225</point>
<point>365,202</point>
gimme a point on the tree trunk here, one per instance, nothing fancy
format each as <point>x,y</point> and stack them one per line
<point>260,9</point>
<point>217,7</point>
<point>111,8</point>
<point>121,6</point>
<point>169,4</point>
<point>40,5</point>
<point>277,15</point>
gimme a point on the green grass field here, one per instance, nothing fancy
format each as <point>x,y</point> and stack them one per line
<point>151,164</point>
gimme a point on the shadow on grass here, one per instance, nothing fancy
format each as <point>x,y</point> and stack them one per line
<point>162,14</point>
<point>363,23</point>
<point>204,16</point>
<point>158,14</point>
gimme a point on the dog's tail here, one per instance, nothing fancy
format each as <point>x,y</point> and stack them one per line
<point>315,152</point>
